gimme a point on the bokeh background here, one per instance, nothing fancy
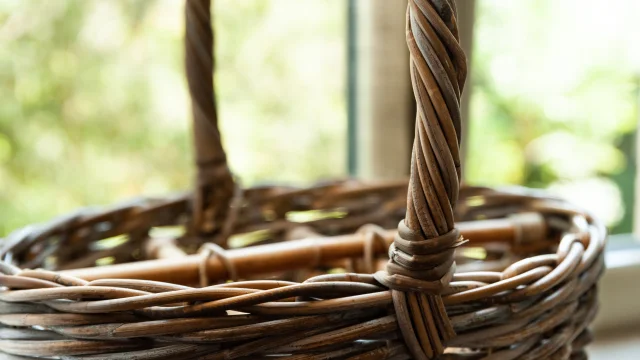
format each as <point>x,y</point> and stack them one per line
<point>94,106</point>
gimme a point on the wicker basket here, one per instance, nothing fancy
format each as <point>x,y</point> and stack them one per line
<point>524,286</point>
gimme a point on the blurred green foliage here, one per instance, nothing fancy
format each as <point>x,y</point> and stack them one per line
<point>94,105</point>
<point>555,100</point>
<point>282,80</point>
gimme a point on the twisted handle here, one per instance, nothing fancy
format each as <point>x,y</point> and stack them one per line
<point>214,182</point>
<point>421,261</point>
<point>438,71</point>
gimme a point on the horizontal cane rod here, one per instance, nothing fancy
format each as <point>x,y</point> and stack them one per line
<point>300,254</point>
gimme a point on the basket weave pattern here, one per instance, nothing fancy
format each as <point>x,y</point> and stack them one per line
<point>531,295</point>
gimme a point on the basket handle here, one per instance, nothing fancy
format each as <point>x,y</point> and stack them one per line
<point>421,256</point>
<point>438,69</point>
<point>214,185</point>
<point>421,262</point>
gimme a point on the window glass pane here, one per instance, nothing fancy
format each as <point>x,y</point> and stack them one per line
<point>95,108</point>
<point>282,80</point>
<point>555,100</point>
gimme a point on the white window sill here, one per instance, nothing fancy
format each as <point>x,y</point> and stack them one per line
<point>619,288</point>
